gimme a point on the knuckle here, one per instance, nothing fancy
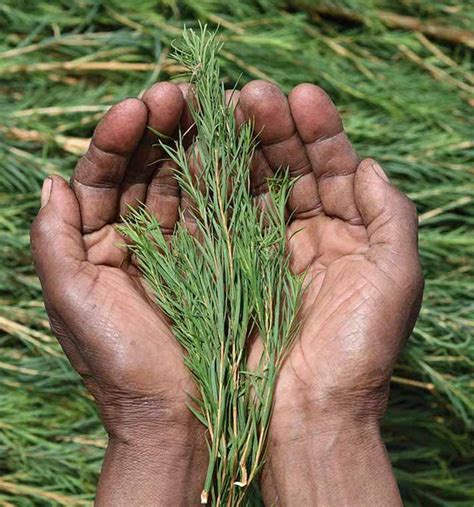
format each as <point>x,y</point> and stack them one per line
<point>35,229</point>
<point>411,279</point>
<point>411,207</point>
<point>408,206</point>
<point>38,230</point>
<point>418,278</point>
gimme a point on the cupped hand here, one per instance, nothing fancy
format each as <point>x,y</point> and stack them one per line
<point>355,236</point>
<point>110,330</point>
<point>351,231</point>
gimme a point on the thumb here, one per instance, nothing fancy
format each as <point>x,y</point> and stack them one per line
<point>56,239</point>
<point>391,222</point>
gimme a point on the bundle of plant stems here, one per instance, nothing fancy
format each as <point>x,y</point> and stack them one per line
<point>401,74</point>
<point>226,284</point>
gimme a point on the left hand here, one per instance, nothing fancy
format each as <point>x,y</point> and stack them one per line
<point>355,236</point>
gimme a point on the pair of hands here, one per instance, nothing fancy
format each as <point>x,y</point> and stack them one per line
<point>357,242</point>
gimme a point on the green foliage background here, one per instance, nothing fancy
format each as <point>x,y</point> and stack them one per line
<point>405,99</point>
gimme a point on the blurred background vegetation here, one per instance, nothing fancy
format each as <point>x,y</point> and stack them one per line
<point>401,74</point>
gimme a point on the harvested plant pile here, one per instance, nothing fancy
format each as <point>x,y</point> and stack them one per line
<point>404,84</point>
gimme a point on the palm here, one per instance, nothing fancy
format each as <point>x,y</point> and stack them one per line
<point>353,234</point>
<point>337,304</point>
<point>111,331</point>
<point>127,355</point>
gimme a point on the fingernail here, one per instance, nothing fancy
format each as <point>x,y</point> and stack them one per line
<point>46,191</point>
<point>379,171</point>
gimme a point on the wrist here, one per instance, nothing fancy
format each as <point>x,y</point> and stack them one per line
<point>165,466</point>
<point>329,460</point>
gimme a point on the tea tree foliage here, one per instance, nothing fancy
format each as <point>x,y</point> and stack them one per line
<point>64,63</point>
<point>227,284</point>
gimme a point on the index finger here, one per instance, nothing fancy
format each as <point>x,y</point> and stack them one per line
<point>99,173</point>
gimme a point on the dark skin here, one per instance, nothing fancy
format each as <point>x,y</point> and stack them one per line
<point>358,244</point>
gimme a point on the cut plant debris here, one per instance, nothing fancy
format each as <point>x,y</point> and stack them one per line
<point>228,282</point>
<point>404,90</point>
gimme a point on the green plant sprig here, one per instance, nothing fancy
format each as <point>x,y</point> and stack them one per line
<point>227,283</point>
